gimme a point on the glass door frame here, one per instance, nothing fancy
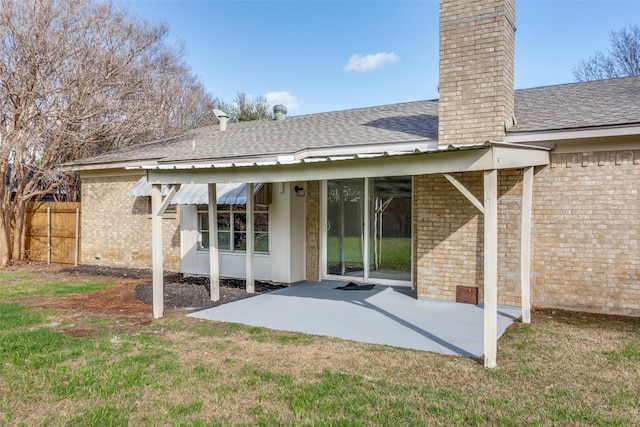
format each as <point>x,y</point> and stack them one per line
<point>366,216</point>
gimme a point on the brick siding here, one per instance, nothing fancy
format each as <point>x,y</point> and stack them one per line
<point>116,227</point>
<point>585,234</point>
<point>449,236</point>
<point>313,231</point>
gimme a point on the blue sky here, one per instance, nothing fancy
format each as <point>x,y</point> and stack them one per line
<point>316,56</point>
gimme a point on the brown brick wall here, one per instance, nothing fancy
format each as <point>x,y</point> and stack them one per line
<point>118,226</point>
<point>446,228</point>
<point>476,70</point>
<point>587,232</point>
<point>313,230</point>
<point>449,236</point>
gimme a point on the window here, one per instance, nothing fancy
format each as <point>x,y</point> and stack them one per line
<point>232,228</point>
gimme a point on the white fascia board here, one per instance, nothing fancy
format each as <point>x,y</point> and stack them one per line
<point>305,155</point>
<point>505,157</point>
<point>102,173</point>
<point>339,169</point>
<point>559,135</point>
<point>286,157</point>
<point>477,159</point>
<point>350,150</point>
<point>311,160</point>
<point>133,164</point>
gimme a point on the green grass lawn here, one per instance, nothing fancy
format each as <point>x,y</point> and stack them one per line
<point>396,252</point>
<point>75,367</point>
<point>15,285</point>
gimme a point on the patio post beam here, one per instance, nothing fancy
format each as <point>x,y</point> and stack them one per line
<point>343,269</point>
<point>156,248</point>
<point>465,192</point>
<point>159,204</point>
<point>166,200</point>
<point>214,261</point>
<point>490,267</point>
<point>250,282</point>
<point>525,244</point>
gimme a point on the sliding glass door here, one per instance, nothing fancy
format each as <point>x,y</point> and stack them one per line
<point>390,228</point>
<point>368,233</point>
<point>345,227</point>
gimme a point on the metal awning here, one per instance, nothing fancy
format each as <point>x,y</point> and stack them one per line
<point>197,194</point>
<point>450,159</point>
<point>143,189</point>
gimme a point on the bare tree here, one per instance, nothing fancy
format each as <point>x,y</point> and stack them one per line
<point>621,60</point>
<point>77,79</point>
<point>244,109</point>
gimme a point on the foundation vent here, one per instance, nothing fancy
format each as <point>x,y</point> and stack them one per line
<point>467,294</point>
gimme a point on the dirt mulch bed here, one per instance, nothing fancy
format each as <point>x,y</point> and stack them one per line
<point>117,300</point>
<point>180,291</point>
<point>194,292</point>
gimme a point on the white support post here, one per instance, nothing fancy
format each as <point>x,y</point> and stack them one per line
<point>250,281</point>
<point>343,268</point>
<point>156,248</point>
<point>490,267</point>
<point>159,204</point>
<point>214,260</point>
<point>525,244</point>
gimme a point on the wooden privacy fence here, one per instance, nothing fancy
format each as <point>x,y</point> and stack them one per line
<point>53,232</point>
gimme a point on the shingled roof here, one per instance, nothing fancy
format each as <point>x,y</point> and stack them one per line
<point>614,102</point>
<point>599,103</point>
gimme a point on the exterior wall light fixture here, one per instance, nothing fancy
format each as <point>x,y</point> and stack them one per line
<point>299,191</point>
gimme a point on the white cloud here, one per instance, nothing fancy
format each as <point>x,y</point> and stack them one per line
<point>284,98</point>
<point>359,63</point>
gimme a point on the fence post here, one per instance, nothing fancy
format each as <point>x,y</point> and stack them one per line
<point>77,236</point>
<point>48,235</point>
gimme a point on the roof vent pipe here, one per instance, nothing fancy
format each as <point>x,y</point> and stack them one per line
<point>222,119</point>
<point>279,112</point>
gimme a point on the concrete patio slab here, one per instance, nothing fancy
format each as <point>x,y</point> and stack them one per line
<point>384,315</point>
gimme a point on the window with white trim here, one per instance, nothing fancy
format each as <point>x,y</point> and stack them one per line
<point>232,231</point>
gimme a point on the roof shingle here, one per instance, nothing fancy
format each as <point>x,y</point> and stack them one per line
<point>611,102</point>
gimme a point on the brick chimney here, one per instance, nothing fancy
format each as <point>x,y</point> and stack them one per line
<point>477,41</point>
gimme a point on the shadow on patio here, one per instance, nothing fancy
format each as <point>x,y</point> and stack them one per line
<point>383,315</point>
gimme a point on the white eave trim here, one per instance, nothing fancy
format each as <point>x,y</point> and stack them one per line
<point>559,135</point>
<point>132,164</point>
<point>328,157</point>
<point>450,159</point>
<point>306,154</point>
<point>347,150</point>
